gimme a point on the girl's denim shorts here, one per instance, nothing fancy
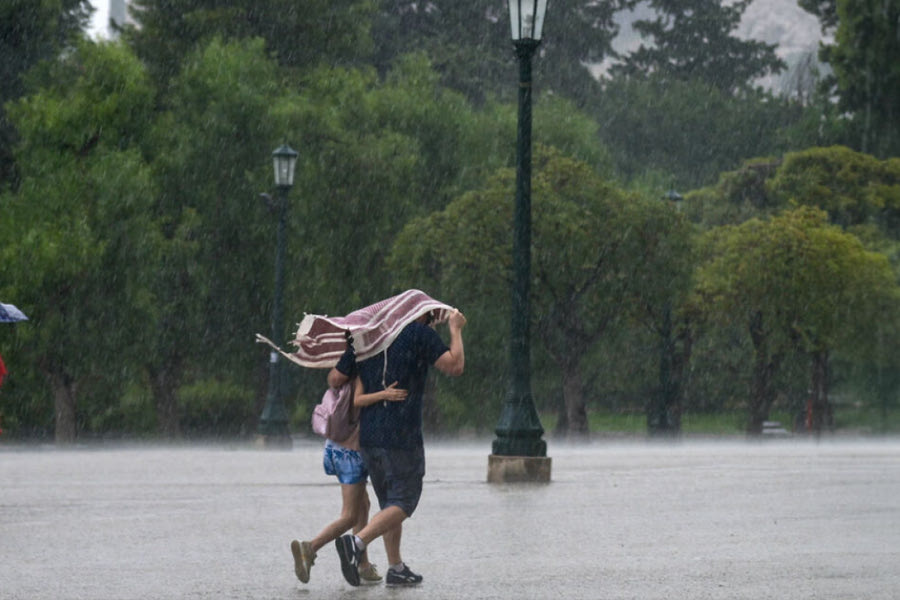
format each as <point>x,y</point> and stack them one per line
<point>344,463</point>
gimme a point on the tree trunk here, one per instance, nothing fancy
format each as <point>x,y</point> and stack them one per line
<point>762,393</point>
<point>573,392</point>
<point>566,344</point>
<point>64,401</point>
<point>562,416</point>
<point>664,407</point>
<point>820,408</point>
<point>681,357</point>
<point>164,384</point>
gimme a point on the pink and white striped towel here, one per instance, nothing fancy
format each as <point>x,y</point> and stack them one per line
<point>320,339</point>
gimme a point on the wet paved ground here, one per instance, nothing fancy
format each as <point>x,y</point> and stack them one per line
<point>713,520</point>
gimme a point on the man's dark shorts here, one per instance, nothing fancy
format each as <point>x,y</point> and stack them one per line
<point>396,475</point>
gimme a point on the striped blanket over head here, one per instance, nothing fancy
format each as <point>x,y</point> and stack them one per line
<point>320,339</point>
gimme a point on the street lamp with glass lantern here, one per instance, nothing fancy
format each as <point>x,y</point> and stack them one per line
<point>519,429</point>
<point>273,423</point>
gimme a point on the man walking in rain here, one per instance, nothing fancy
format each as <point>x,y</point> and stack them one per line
<point>391,436</point>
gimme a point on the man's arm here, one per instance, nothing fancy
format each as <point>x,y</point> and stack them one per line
<point>453,361</point>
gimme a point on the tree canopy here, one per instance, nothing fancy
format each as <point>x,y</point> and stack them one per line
<point>470,46</point>
<point>300,36</point>
<point>596,249</point>
<point>31,31</point>
<point>136,234</point>
<point>694,41</point>
<point>78,234</point>
<point>863,59</point>
<point>797,283</point>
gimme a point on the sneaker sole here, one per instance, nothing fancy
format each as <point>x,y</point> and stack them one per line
<point>402,583</point>
<point>299,568</point>
<point>346,552</point>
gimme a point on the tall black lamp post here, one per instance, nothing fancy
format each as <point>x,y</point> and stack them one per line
<point>273,423</point>
<point>519,429</point>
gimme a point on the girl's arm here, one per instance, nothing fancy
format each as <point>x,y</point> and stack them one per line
<point>390,394</point>
<point>336,379</point>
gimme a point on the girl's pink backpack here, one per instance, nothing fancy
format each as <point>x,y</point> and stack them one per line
<point>334,417</point>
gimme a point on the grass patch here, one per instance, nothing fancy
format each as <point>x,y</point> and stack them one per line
<point>633,423</point>
<point>604,422</point>
<point>725,423</point>
<point>712,423</point>
<point>847,419</point>
<point>866,419</point>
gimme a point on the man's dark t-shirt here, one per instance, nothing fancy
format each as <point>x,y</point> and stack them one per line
<point>399,424</point>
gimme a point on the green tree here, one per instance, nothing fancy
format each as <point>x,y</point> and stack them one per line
<point>469,43</point>
<point>690,130</point>
<point>378,152</point>
<point>592,254</point>
<point>300,35</point>
<point>466,41</point>
<point>865,59</point>
<point>660,305</point>
<point>31,31</point>
<point>825,10</point>
<point>855,189</point>
<point>366,167</point>
<point>559,123</point>
<point>210,154</point>
<point>693,41</point>
<point>373,154</point>
<point>77,234</point>
<point>738,195</point>
<point>798,285</point>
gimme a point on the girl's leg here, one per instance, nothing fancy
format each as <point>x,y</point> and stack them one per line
<point>361,521</point>
<point>351,497</point>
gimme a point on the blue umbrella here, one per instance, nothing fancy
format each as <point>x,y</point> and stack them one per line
<point>11,314</point>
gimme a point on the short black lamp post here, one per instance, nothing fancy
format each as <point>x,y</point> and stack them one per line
<point>273,423</point>
<point>519,429</point>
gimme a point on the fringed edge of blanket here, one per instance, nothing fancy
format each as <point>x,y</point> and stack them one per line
<point>322,362</point>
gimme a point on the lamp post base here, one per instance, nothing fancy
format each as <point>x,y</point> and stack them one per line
<point>520,445</point>
<point>518,469</point>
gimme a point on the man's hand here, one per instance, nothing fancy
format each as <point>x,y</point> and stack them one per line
<point>453,361</point>
<point>457,320</point>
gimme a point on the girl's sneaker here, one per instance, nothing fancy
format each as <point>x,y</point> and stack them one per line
<point>369,574</point>
<point>304,558</point>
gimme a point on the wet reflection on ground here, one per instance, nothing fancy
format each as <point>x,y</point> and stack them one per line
<point>786,520</point>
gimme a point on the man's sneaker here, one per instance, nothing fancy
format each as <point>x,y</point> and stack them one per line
<point>404,577</point>
<point>349,555</point>
<point>369,574</point>
<point>304,559</point>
